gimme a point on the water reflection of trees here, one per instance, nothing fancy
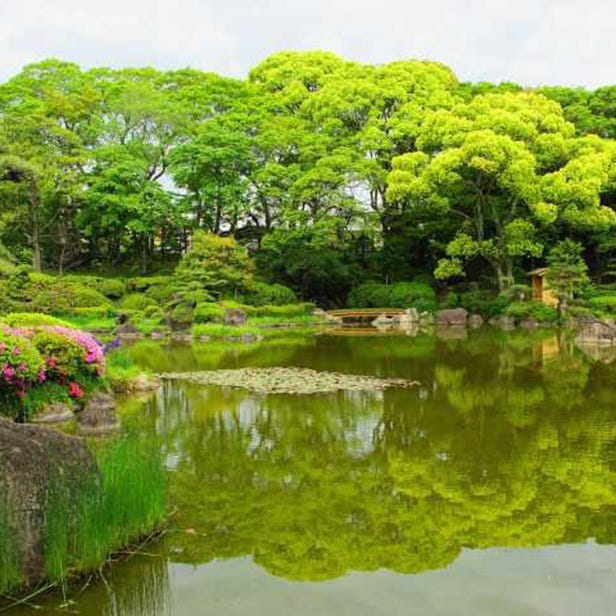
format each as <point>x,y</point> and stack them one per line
<point>505,445</point>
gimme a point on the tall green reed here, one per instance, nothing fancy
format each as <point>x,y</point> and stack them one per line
<point>125,503</point>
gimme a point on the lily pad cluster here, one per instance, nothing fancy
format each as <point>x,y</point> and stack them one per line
<point>300,381</point>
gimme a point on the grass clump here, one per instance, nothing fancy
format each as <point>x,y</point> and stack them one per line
<point>125,504</point>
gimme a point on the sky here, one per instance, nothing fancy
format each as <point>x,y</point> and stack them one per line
<point>532,42</point>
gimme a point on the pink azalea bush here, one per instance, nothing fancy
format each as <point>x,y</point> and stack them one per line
<point>46,357</point>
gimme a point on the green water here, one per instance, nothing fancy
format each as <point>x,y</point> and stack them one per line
<point>491,489</point>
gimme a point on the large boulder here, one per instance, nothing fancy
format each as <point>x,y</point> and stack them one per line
<point>504,322</point>
<point>32,460</point>
<point>234,316</point>
<point>475,321</point>
<point>98,417</point>
<point>56,413</point>
<point>451,316</point>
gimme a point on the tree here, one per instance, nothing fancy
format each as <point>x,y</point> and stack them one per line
<point>215,264</point>
<point>507,166</point>
<point>567,271</point>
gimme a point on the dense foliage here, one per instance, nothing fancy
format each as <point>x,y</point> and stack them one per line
<point>328,172</point>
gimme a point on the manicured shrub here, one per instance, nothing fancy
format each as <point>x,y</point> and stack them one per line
<point>606,303</point>
<point>182,316</point>
<point>532,310</point>
<point>94,311</point>
<point>43,293</point>
<point>399,295</point>
<point>484,303</point>
<point>208,312</point>
<point>153,312</point>
<point>161,293</point>
<point>32,319</point>
<point>21,363</point>
<point>136,301</point>
<point>369,295</point>
<point>46,363</point>
<point>111,288</point>
<point>144,283</point>
<point>262,294</point>
<point>289,310</point>
<point>217,264</point>
<point>412,294</point>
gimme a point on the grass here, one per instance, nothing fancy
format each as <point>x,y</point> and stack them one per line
<point>90,322</point>
<point>217,330</point>
<point>104,514</point>
<point>10,573</point>
<point>121,370</point>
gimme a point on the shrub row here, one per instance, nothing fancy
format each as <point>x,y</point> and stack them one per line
<point>398,295</point>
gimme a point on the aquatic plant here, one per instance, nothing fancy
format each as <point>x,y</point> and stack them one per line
<point>125,503</point>
<point>299,381</point>
<point>10,574</point>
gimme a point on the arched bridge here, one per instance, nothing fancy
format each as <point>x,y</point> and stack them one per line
<point>360,314</point>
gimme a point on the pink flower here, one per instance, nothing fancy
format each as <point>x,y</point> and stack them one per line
<point>16,351</point>
<point>74,390</point>
<point>42,376</point>
<point>90,358</point>
<point>2,346</point>
<point>22,366</point>
<point>8,372</point>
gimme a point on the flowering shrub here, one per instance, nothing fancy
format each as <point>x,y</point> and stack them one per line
<point>37,358</point>
<point>21,365</point>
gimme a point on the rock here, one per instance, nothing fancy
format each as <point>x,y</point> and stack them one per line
<point>145,382</point>
<point>528,324</point>
<point>426,318</point>
<point>594,331</point>
<point>475,321</point>
<point>30,458</point>
<point>205,338</point>
<point>451,316</point>
<point>331,319</point>
<point>98,417</point>
<point>503,322</point>
<point>234,316</point>
<point>127,329</point>
<point>384,322</point>
<point>54,414</point>
<point>250,338</point>
<point>179,336</point>
<point>409,318</point>
<point>156,335</point>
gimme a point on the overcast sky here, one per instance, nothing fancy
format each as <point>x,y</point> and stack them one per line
<point>532,42</point>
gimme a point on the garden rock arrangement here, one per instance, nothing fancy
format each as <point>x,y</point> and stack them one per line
<point>31,457</point>
<point>452,316</point>
<point>299,381</point>
<point>98,417</point>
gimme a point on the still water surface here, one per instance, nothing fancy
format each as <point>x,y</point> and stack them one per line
<point>491,489</point>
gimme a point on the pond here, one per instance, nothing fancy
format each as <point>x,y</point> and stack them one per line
<point>490,489</point>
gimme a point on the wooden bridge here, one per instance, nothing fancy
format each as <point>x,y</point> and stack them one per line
<point>360,314</point>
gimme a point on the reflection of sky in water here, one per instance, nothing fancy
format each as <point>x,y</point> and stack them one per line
<point>395,502</point>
